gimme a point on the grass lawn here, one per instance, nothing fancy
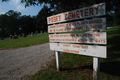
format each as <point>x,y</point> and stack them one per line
<point>78,67</point>
<point>27,41</point>
<point>24,41</point>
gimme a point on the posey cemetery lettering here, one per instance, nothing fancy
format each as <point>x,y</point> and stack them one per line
<point>91,11</point>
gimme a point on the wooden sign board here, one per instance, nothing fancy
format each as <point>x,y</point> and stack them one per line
<point>91,11</point>
<point>96,38</point>
<point>97,51</point>
<point>92,24</point>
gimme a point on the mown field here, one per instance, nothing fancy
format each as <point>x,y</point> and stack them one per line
<point>26,41</point>
<point>78,67</point>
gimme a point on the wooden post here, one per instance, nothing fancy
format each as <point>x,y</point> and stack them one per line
<point>96,64</point>
<point>58,59</point>
<point>96,68</point>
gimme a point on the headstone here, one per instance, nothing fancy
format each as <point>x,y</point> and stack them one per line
<point>36,32</point>
<point>19,35</point>
<point>32,34</point>
<point>24,35</point>
<point>41,32</point>
<point>7,38</point>
<point>13,37</point>
<point>45,32</point>
<point>10,37</point>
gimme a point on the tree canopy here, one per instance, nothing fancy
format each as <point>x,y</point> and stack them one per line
<point>59,6</point>
<point>66,5</point>
<point>13,23</point>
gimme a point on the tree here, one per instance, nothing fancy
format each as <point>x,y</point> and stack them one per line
<point>58,6</point>
<point>13,22</point>
<point>27,24</point>
<point>117,18</point>
<point>42,18</point>
<point>3,25</point>
<point>5,0</point>
<point>66,5</point>
<point>9,23</point>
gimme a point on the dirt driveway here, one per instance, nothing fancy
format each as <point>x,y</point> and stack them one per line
<point>16,64</point>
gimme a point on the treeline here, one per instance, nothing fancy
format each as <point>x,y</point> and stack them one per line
<point>13,23</point>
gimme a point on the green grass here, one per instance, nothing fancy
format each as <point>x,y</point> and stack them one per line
<point>48,76</point>
<point>78,67</point>
<point>27,41</point>
<point>24,41</point>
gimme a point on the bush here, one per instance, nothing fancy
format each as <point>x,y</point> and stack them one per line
<point>117,18</point>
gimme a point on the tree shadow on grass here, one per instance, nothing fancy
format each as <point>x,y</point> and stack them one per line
<point>112,68</point>
<point>110,65</point>
<point>78,68</point>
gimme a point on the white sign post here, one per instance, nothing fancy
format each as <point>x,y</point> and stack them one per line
<point>96,38</point>
<point>58,59</point>
<point>96,68</point>
<point>96,64</point>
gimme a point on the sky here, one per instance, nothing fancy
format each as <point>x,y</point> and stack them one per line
<point>16,5</point>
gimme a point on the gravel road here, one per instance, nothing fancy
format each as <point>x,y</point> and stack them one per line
<point>16,64</point>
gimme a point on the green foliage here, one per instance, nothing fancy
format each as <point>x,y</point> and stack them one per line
<point>109,18</point>
<point>12,23</point>
<point>27,24</point>
<point>9,23</point>
<point>117,18</point>
<point>5,0</point>
<point>42,18</point>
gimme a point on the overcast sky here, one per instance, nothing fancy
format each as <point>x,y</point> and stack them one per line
<point>17,6</point>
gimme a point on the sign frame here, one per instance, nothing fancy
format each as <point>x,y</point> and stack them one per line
<point>86,12</point>
<point>91,24</point>
<point>88,50</point>
<point>93,38</point>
